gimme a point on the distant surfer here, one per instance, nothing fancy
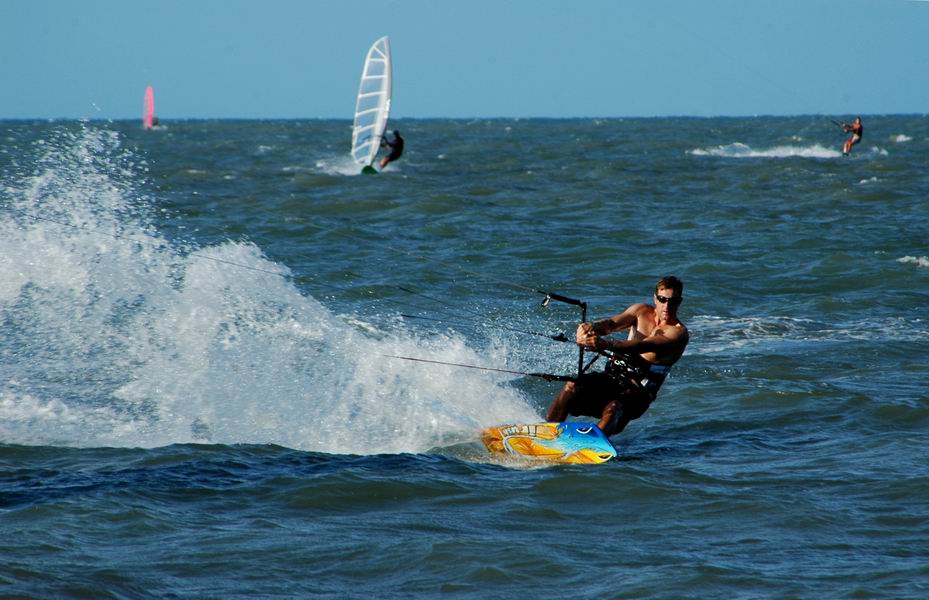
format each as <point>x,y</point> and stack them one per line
<point>856,130</point>
<point>637,367</point>
<point>396,148</point>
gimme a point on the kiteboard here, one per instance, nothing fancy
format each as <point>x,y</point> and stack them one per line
<point>568,442</point>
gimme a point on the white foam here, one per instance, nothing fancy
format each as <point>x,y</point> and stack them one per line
<point>739,150</point>
<point>920,261</point>
<point>115,336</point>
<point>900,138</point>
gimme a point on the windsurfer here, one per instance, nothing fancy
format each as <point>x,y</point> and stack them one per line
<point>396,148</point>
<point>857,130</point>
<point>628,385</point>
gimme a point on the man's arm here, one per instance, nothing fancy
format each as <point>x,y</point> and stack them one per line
<point>659,343</point>
<point>623,320</point>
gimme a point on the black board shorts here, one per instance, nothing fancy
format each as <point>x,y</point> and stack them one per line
<point>595,390</point>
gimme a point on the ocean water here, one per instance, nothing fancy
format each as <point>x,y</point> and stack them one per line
<point>198,396</point>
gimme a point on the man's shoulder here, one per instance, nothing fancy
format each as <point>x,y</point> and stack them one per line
<point>639,308</point>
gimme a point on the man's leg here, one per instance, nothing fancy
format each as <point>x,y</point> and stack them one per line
<point>558,411</point>
<point>613,420</point>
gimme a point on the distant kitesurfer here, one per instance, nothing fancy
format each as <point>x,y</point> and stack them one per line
<point>396,148</point>
<point>637,367</point>
<point>857,131</point>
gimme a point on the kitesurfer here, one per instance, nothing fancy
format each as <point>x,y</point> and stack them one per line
<point>856,130</point>
<point>637,366</point>
<point>396,148</point>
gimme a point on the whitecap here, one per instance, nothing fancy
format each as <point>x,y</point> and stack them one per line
<point>921,261</point>
<point>751,334</point>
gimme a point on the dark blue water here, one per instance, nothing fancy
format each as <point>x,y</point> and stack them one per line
<point>196,398</point>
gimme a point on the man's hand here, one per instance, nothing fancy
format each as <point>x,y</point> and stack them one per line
<point>584,330</point>
<point>588,339</point>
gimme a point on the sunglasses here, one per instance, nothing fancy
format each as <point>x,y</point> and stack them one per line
<point>665,300</point>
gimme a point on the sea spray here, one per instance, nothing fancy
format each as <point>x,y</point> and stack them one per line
<point>118,336</point>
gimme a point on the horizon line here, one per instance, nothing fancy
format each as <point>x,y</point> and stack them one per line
<point>472,118</point>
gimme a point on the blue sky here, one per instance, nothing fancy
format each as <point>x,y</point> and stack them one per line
<point>480,58</point>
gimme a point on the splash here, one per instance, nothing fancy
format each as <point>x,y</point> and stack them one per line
<point>117,336</point>
<point>341,165</point>
<point>739,150</point>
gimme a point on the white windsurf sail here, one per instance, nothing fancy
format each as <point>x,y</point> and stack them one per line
<point>373,104</point>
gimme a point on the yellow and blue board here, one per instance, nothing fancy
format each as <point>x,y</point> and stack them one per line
<point>572,443</point>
